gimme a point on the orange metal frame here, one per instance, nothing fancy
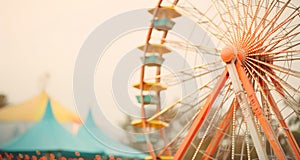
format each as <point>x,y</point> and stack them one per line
<point>201,116</point>
<point>258,112</point>
<point>149,145</point>
<point>290,138</point>
<point>213,145</point>
<point>144,120</point>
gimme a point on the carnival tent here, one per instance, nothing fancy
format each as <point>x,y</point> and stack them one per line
<point>93,135</point>
<point>33,109</point>
<point>48,135</point>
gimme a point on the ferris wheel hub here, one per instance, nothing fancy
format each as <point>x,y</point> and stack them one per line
<point>229,53</point>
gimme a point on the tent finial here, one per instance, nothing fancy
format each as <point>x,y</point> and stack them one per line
<point>44,80</point>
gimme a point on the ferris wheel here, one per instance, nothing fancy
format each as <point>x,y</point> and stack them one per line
<point>239,80</point>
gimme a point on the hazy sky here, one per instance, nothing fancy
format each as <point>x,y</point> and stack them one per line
<point>39,37</point>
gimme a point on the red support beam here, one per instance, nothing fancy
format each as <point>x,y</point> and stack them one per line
<point>258,112</point>
<point>290,138</point>
<point>214,143</point>
<point>201,117</point>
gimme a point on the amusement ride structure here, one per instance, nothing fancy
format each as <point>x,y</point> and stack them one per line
<point>246,74</point>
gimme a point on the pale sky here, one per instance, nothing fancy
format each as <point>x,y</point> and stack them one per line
<point>39,37</point>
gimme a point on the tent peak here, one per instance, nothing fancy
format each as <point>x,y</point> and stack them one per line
<point>32,110</point>
<point>48,114</point>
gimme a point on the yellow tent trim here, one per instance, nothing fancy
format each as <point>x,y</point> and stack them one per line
<point>33,110</point>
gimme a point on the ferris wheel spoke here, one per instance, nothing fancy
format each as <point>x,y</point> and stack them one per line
<point>197,48</point>
<point>189,121</point>
<point>267,96</point>
<point>212,147</point>
<point>182,99</point>
<point>288,134</point>
<point>264,22</point>
<point>184,75</point>
<point>289,36</point>
<point>278,14</point>
<point>273,45</point>
<point>268,30</point>
<point>279,83</point>
<point>271,31</point>
<point>290,56</point>
<point>263,90</point>
<point>221,17</point>
<point>212,121</point>
<point>179,134</point>
<point>280,40</point>
<point>197,103</point>
<point>208,24</point>
<point>253,18</point>
<point>256,108</point>
<point>245,22</point>
<point>199,117</point>
<point>234,25</point>
<point>286,59</point>
<point>239,23</point>
<point>275,79</point>
<point>287,71</point>
<point>213,52</point>
<point>276,54</point>
<point>293,44</point>
<point>254,73</point>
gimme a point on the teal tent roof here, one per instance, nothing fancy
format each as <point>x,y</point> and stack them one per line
<point>47,135</point>
<point>93,135</point>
